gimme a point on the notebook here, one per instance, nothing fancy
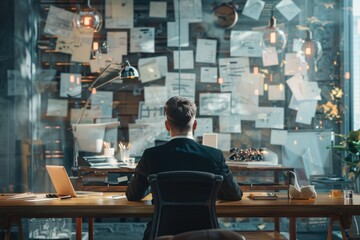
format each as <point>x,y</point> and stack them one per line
<point>62,184</point>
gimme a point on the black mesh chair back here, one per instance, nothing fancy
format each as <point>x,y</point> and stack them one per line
<point>184,201</point>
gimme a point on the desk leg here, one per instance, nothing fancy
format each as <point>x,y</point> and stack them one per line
<point>91,228</point>
<point>78,228</point>
<point>292,228</point>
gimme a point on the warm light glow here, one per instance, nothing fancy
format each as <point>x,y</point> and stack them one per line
<point>281,87</point>
<point>256,92</point>
<point>78,80</point>
<point>87,21</point>
<point>256,70</point>
<point>220,80</point>
<point>95,46</point>
<point>93,91</point>
<point>347,75</point>
<point>308,51</point>
<point>266,87</point>
<point>273,37</point>
<point>72,78</point>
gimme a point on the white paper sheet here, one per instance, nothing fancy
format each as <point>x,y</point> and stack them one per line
<point>178,34</point>
<point>119,14</point>
<point>150,110</point>
<point>88,116</point>
<point>57,107</point>
<point>206,50</point>
<point>157,9</point>
<point>117,45</point>
<point>303,90</point>
<point>191,10</point>
<point>245,43</point>
<point>288,9</point>
<point>184,59</point>
<point>278,137</point>
<point>270,57</point>
<point>294,64</point>
<point>161,65</point>
<point>230,124</point>
<point>155,95</point>
<point>142,40</point>
<point>253,9</point>
<point>270,117</point>
<point>224,141</point>
<point>59,22</point>
<point>276,92</point>
<point>214,104</point>
<point>208,75</point>
<point>70,85</point>
<point>231,70</point>
<point>100,63</point>
<point>204,125</point>
<point>181,85</point>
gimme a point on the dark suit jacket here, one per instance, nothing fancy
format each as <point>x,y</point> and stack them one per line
<point>182,154</point>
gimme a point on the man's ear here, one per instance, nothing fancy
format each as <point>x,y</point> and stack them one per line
<point>194,125</point>
<point>167,125</point>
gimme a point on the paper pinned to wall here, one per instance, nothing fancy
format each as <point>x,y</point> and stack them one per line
<point>253,9</point>
<point>57,107</point>
<point>278,137</point>
<point>270,57</point>
<point>191,10</point>
<point>231,70</point>
<point>294,65</point>
<point>157,9</point>
<point>288,9</point>
<point>161,65</point>
<point>117,45</point>
<point>206,50</point>
<point>181,85</point>
<point>59,22</point>
<point>270,117</point>
<point>184,59</point>
<point>150,110</point>
<point>142,40</point>
<point>70,85</point>
<point>245,43</point>
<point>204,125</point>
<point>119,14</point>
<point>174,31</point>
<point>305,110</point>
<point>276,92</point>
<point>208,74</point>
<point>149,71</point>
<point>214,104</point>
<point>230,124</point>
<point>155,95</point>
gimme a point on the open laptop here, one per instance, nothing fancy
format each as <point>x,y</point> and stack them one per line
<point>62,184</point>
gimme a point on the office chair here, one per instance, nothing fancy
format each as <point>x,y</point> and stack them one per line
<point>183,201</point>
<point>207,234</point>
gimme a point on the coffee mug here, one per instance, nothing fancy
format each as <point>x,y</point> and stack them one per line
<point>336,193</point>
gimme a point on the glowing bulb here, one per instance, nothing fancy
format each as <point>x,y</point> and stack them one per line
<point>274,36</point>
<point>311,49</point>
<point>95,46</point>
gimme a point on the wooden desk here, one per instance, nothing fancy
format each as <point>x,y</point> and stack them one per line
<point>98,179</point>
<point>104,206</point>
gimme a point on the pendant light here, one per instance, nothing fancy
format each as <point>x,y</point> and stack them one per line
<point>311,49</point>
<point>88,19</point>
<point>274,36</point>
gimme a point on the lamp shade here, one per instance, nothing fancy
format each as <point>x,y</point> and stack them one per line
<point>311,49</point>
<point>274,36</point>
<point>88,20</point>
<point>128,72</point>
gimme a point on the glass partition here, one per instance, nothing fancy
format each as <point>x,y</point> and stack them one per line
<point>254,69</point>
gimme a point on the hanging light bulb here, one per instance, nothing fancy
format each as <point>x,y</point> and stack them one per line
<point>88,19</point>
<point>311,49</point>
<point>274,36</point>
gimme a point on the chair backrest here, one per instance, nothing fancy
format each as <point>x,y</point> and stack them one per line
<point>207,234</point>
<point>183,201</point>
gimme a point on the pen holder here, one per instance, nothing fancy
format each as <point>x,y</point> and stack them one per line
<point>109,151</point>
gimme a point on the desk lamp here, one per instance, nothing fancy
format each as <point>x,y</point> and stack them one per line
<point>125,72</point>
<point>120,71</point>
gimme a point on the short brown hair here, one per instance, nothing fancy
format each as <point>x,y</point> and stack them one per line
<point>179,112</point>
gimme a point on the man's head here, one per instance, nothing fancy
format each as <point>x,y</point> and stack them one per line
<point>180,116</point>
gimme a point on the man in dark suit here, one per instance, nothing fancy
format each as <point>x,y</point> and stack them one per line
<point>182,152</point>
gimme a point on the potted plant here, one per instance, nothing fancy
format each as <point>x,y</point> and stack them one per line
<point>350,146</point>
